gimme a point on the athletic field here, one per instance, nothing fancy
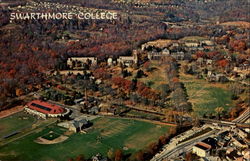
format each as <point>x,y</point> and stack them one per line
<point>106,133</point>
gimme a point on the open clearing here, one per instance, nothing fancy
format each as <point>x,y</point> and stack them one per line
<point>156,78</point>
<point>106,133</point>
<point>205,96</point>
<point>15,123</point>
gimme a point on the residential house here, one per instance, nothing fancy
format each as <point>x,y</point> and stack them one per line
<point>98,157</point>
<point>246,154</point>
<point>209,62</point>
<point>239,142</point>
<point>111,62</point>
<point>200,61</point>
<point>214,77</point>
<point>221,78</point>
<point>233,154</point>
<point>94,110</point>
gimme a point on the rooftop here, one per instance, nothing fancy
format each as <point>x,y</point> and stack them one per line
<point>45,107</point>
<point>203,146</point>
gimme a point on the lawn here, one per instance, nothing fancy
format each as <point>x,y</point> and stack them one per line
<point>155,78</point>
<point>205,96</point>
<point>141,114</point>
<point>15,123</point>
<point>51,136</point>
<point>105,134</point>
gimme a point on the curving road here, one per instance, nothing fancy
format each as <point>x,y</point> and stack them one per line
<point>173,149</point>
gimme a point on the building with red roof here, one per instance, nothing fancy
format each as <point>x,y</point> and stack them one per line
<point>201,149</point>
<point>45,109</point>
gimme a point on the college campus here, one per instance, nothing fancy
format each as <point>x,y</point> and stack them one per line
<point>165,81</point>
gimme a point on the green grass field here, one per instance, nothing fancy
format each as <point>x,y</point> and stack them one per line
<point>156,77</point>
<point>15,122</point>
<point>105,134</point>
<point>51,136</point>
<point>141,114</point>
<point>205,96</point>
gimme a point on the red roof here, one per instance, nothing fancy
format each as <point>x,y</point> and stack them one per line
<point>204,145</point>
<point>45,107</point>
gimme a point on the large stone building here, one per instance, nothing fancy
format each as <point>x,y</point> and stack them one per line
<point>129,60</point>
<point>76,125</point>
<point>78,62</point>
<point>154,55</point>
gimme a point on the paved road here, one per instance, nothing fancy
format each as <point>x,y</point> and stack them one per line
<point>75,111</point>
<point>176,150</point>
<point>171,151</point>
<point>243,117</point>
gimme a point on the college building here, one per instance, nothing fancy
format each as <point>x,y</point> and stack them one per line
<point>45,109</point>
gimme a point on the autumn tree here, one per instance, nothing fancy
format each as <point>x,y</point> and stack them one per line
<point>80,158</point>
<point>163,140</point>
<point>188,157</point>
<point>152,148</point>
<point>118,155</point>
<point>223,63</point>
<point>139,156</point>
<point>19,92</point>
<point>110,154</point>
<point>219,111</point>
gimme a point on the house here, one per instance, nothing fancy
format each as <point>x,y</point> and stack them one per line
<point>94,110</point>
<point>110,62</point>
<point>214,77</point>
<point>200,61</point>
<point>175,44</point>
<point>201,149</point>
<point>233,154</point>
<point>200,48</point>
<point>239,142</point>
<point>165,52</point>
<point>207,43</point>
<point>221,78</point>
<point>192,44</point>
<point>209,62</point>
<point>210,141</point>
<point>78,62</point>
<point>246,154</point>
<point>77,101</point>
<point>129,60</point>
<point>98,157</point>
<point>179,55</point>
<point>242,133</point>
<point>208,48</point>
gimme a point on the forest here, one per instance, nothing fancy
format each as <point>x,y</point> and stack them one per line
<point>29,49</point>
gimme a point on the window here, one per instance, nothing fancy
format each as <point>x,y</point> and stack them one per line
<point>41,107</point>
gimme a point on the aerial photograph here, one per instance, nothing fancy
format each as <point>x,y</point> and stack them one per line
<point>124,80</point>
